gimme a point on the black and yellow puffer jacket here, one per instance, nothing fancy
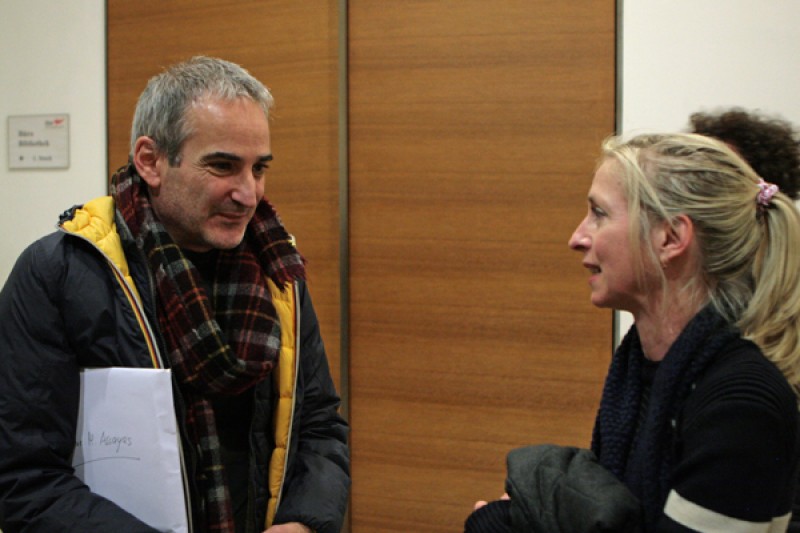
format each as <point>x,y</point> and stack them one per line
<point>81,297</point>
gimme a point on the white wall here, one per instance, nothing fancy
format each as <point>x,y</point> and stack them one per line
<point>682,56</point>
<point>52,60</point>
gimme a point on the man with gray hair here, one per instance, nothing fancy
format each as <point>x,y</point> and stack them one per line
<point>184,266</point>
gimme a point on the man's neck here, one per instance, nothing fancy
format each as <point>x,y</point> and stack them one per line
<point>205,262</point>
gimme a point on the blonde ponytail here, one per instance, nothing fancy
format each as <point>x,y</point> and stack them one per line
<point>771,318</point>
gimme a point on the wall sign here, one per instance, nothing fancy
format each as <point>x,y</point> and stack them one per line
<point>38,141</point>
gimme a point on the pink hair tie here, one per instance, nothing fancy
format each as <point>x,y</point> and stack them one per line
<point>766,193</point>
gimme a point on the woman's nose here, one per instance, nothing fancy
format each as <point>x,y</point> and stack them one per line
<point>579,239</point>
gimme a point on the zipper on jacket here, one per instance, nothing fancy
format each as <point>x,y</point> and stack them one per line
<point>158,361</point>
<point>180,408</point>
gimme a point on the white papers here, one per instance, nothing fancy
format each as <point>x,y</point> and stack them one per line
<point>127,446</point>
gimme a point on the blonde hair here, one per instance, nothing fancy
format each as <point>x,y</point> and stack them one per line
<point>749,254</point>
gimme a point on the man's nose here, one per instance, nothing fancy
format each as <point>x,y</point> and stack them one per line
<point>247,189</point>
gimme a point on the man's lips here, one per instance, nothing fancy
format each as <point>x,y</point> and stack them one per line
<point>234,217</point>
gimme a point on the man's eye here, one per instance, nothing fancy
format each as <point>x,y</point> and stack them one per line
<point>260,170</point>
<point>220,166</point>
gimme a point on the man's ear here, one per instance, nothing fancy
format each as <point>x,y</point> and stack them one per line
<point>674,240</point>
<point>148,161</point>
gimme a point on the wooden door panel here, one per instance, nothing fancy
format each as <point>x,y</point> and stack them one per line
<point>473,133</point>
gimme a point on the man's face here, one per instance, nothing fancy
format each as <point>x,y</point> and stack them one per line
<point>207,200</point>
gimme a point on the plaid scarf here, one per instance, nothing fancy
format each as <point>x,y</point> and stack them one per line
<point>222,349</point>
<point>644,460</point>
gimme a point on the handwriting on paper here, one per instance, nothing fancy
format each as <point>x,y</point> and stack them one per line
<point>127,436</point>
<point>105,443</point>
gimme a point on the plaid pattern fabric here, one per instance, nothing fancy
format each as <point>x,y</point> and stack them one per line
<point>219,349</point>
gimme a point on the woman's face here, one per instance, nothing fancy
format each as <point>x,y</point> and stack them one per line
<point>603,239</point>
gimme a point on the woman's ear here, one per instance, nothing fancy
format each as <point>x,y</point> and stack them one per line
<point>674,240</point>
<point>148,161</point>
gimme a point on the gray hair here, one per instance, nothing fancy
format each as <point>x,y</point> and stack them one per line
<point>161,112</point>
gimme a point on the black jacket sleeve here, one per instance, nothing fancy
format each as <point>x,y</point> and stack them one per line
<point>39,384</point>
<point>317,485</point>
<point>737,451</point>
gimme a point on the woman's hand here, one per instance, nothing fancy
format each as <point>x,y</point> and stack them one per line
<point>481,503</point>
<point>291,527</point>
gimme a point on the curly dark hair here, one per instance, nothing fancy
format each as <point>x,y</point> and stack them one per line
<point>770,145</point>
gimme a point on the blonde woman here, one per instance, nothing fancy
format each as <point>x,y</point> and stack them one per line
<point>699,416</point>
<point>699,411</point>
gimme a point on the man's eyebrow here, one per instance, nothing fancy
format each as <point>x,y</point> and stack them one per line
<point>220,155</point>
<point>231,157</point>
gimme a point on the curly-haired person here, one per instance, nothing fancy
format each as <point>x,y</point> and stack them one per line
<point>771,145</point>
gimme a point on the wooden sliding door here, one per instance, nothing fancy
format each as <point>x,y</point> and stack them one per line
<point>471,131</point>
<point>474,128</point>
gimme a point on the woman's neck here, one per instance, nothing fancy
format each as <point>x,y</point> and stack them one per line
<point>660,325</point>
